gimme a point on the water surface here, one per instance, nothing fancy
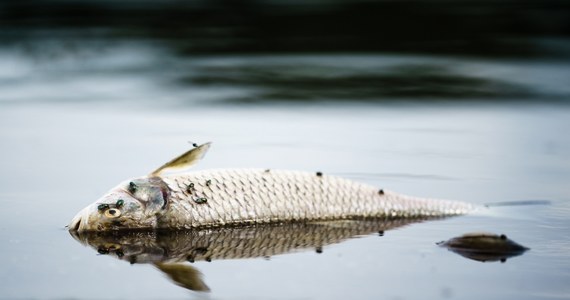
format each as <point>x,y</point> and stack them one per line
<point>475,130</point>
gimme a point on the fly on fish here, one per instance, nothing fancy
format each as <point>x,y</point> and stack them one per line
<point>231,197</point>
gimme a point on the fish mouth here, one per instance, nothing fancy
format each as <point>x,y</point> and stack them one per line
<point>79,223</point>
<point>74,226</point>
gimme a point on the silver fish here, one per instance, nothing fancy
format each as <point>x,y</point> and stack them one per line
<point>214,198</point>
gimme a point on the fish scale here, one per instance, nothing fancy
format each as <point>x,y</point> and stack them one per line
<point>255,196</point>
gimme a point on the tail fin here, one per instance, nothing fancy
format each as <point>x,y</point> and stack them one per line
<point>511,209</point>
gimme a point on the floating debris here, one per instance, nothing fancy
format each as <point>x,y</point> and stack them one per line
<point>484,247</point>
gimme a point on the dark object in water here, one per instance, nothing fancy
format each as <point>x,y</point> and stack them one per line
<point>484,247</point>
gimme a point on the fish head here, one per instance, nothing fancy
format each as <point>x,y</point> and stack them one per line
<point>133,204</point>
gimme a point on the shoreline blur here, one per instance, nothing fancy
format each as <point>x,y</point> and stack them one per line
<point>483,28</point>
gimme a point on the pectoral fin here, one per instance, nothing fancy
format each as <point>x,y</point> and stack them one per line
<point>184,275</point>
<point>185,160</point>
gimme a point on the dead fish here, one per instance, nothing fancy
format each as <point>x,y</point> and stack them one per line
<point>171,251</point>
<point>228,197</point>
<point>484,247</point>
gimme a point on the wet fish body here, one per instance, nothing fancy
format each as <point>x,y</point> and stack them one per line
<point>229,197</point>
<point>253,196</point>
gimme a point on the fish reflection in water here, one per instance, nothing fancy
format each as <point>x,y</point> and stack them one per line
<point>170,251</point>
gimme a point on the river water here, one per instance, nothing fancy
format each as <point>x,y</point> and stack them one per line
<point>76,120</point>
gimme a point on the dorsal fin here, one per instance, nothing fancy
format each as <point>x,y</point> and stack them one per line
<point>185,160</point>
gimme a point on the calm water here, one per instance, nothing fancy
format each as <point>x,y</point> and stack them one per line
<point>75,123</point>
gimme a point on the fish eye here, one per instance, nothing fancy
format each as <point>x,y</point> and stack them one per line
<point>112,213</point>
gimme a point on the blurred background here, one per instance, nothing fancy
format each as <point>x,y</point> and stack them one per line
<point>469,27</point>
<point>266,51</point>
<point>462,99</point>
